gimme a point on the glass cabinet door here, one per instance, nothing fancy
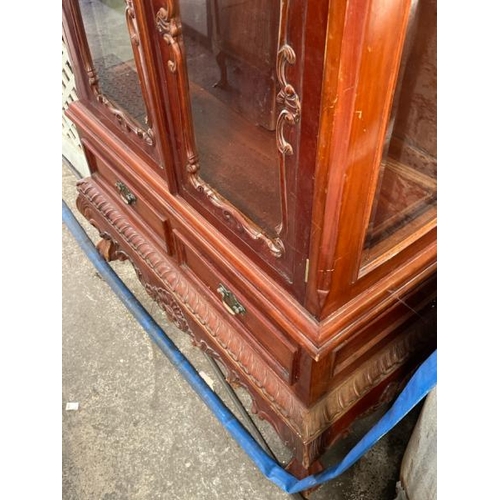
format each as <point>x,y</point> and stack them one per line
<point>109,28</point>
<point>405,199</point>
<point>230,56</point>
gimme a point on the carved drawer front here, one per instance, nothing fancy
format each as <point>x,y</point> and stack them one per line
<point>280,353</point>
<point>133,195</point>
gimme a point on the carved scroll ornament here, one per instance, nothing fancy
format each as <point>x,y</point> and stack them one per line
<point>288,98</point>
<point>169,26</point>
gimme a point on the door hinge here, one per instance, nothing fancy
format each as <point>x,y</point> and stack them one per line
<point>306,273</point>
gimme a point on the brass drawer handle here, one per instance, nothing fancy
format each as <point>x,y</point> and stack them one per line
<point>230,302</point>
<point>127,196</point>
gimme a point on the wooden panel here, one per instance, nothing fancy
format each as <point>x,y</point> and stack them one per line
<point>280,352</point>
<point>116,177</point>
<point>416,311</point>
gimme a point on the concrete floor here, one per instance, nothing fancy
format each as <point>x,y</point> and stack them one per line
<point>141,433</point>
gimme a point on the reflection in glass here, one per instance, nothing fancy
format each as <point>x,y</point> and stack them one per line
<point>406,195</point>
<point>109,42</point>
<point>231,57</point>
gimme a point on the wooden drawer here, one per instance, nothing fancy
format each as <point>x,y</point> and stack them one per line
<point>279,352</point>
<point>133,195</point>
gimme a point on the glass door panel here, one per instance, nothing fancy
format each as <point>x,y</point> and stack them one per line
<point>108,37</point>
<point>407,188</point>
<point>231,50</point>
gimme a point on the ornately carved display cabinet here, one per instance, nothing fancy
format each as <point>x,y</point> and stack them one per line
<point>269,169</point>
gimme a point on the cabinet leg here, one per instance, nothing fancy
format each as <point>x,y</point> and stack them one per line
<point>110,250</point>
<point>295,468</point>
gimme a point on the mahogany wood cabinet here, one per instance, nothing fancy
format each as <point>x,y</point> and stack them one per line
<point>269,169</point>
